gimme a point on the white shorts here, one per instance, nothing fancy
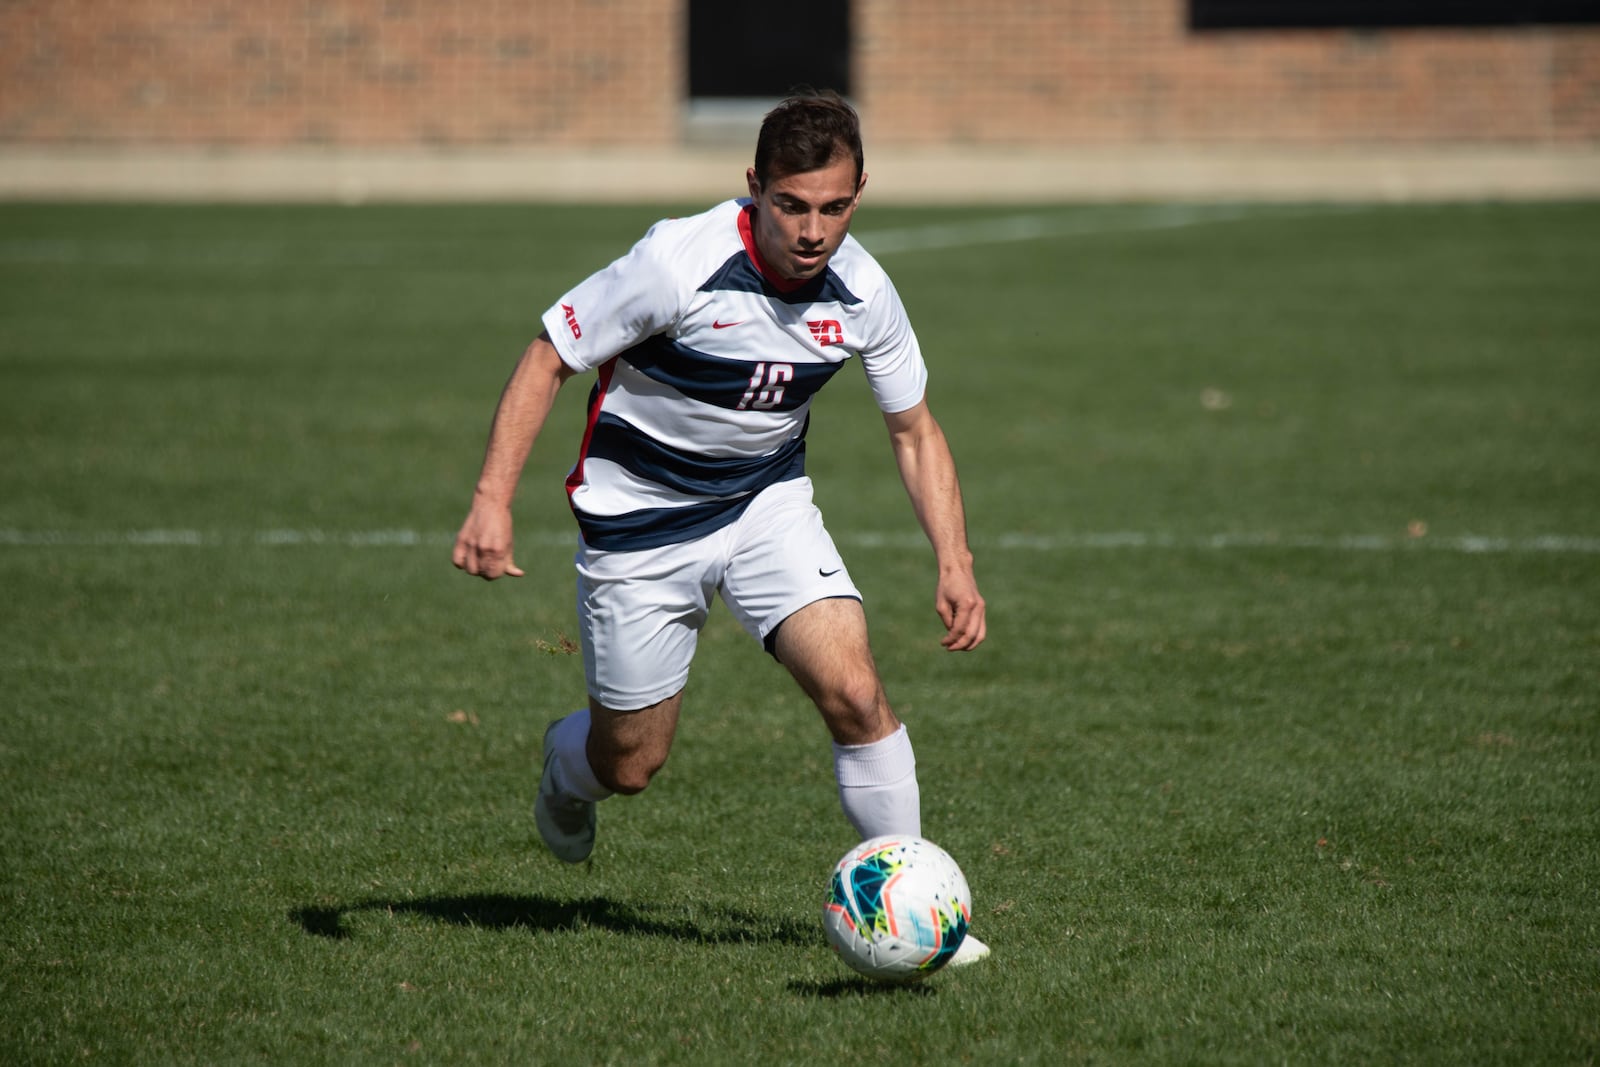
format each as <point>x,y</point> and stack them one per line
<point>640,613</point>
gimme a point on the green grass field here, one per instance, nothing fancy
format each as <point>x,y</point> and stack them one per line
<point>1285,745</point>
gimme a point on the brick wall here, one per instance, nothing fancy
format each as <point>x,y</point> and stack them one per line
<point>1110,71</point>
<point>599,72</point>
<point>348,72</point>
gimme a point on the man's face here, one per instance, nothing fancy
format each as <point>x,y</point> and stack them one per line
<point>801,219</point>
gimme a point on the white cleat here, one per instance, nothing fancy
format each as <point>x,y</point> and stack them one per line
<point>971,950</point>
<point>566,823</point>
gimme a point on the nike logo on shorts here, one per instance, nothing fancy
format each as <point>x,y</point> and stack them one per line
<point>829,574</point>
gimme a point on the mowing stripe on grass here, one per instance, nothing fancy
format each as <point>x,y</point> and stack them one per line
<point>256,253</point>
<point>866,539</point>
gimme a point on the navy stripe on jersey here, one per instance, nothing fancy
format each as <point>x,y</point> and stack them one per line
<point>739,275</point>
<point>616,440</point>
<point>654,527</point>
<point>719,381</point>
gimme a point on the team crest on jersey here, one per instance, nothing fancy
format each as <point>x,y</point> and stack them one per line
<point>826,332</point>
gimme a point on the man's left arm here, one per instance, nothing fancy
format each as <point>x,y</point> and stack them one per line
<point>929,472</point>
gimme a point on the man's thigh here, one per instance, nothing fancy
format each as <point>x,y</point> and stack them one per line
<point>824,646</point>
<point>781,559</point>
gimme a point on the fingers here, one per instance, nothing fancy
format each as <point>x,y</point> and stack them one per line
<point>965,622</point>
<point>485,565</point>
<point>489,566</point>
<point>967,633</point>
<point>482,556</point>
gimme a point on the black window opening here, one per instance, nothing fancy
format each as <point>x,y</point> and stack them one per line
<point>744,51</point>
<point>1374,14</point>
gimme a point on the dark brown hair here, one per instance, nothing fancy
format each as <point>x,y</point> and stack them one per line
<point>806,132</point>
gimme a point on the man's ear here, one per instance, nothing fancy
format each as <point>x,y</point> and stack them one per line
<point>752,182</point>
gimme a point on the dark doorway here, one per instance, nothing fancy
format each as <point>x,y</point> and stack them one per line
<point>742,50</point>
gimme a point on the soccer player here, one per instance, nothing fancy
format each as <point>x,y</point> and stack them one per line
<point>710,337</point>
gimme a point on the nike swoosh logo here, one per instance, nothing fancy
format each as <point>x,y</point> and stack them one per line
<point>724,325</point>
<point>829,574</point>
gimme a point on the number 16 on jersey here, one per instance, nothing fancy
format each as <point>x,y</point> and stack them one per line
<point>766,386</point>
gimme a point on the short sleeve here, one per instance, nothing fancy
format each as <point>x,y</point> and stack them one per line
<point>615,308</point>
<point>892,357</point>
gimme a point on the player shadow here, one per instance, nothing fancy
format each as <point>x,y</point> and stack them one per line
<point>708,924</point>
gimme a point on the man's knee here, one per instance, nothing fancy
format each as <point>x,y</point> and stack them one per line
<point>626,776</point>
<point>856,710</point>
<point>854,697</point>
<point>626,749</point>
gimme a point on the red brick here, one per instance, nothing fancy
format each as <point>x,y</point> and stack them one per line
<point>601,72</point>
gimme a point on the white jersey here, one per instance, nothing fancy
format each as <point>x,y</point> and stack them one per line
<point>708,363</point>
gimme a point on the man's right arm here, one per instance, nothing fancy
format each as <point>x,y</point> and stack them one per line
<point>483,547</point>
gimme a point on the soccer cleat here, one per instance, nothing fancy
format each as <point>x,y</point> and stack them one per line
<point>566,823</point>
<point>971,950</point>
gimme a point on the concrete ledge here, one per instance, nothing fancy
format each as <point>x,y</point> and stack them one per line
<point>897,175</point>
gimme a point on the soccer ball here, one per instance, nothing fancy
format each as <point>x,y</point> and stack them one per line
<point>897,908</point>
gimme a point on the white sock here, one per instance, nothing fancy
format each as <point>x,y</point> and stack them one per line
<point>571,770</point>
<point>878,786</point>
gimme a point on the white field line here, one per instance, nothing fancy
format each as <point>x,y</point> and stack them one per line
<point>1043,226</point>
<point>864,539</point>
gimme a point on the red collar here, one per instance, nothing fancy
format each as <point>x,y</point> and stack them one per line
<point>747,233</point>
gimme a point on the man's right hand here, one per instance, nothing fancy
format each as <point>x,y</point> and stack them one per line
<point>483,547</point>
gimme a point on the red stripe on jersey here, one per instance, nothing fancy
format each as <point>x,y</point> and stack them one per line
<point>747,234</point>
<point>575,476</point>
